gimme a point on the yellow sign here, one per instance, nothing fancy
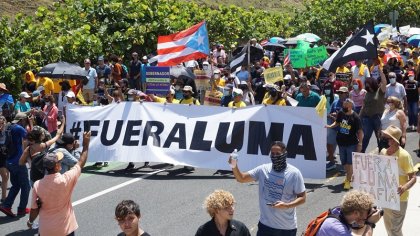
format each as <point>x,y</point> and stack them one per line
<point>273,75</point>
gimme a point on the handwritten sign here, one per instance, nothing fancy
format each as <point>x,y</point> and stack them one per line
<point>378,176</point>
<point>272,75</point>
<point>297,57</point>
<point>315,56</point>
<point>157,80</point>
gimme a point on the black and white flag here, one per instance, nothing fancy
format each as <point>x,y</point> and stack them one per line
<point>363,45</point>
<point>241,58</point>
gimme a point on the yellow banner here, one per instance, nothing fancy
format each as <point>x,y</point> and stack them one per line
<point>273,75</point>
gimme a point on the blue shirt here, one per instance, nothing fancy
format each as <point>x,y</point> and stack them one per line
<point>243,75</point>
<point>22,107</point>
<point>18,134</point>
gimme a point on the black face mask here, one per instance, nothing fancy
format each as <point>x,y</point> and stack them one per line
<point>279,162</point>
<point>187,96</point>
<point>384,143</point>
<point>346,109</point>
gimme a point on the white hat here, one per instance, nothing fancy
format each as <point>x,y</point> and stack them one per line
<point>145,58</point>
<point>70,94</point>
<point>216,71</point>
<point>24,95</point>
<point>287,77</point>
<point>237,92</point>
<point>188,88</point>
<point>40,88</point>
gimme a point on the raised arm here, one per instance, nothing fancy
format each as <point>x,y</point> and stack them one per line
<point>84,155</point>
<point>383,80</point>
<point>60,132</point>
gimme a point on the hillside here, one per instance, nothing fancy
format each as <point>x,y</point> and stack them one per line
<point>12,7</point>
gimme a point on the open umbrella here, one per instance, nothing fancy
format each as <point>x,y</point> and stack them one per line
<point>273,46</point>
<point>309,37</point>
<point>377,28</point>
<point>180,72</point>
<point>393,54</point>
<point>277,40</point>
<point>291,41</point>
<point>413,31</point>
<point>63,70</point>
<point>414,40</point>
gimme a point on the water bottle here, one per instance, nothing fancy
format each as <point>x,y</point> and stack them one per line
<point>234,158</point>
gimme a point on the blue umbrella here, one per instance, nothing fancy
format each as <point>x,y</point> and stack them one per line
<point>414,40</point>
<point>377,28</point>
<point>276,40</point>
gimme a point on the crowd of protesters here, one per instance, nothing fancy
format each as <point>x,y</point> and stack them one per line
<point>379,96</point>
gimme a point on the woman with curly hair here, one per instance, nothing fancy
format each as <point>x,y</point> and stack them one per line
<point>220,206</point>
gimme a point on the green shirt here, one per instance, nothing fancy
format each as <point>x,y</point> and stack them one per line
<point>311,101</point>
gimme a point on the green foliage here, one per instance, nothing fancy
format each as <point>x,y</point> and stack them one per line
<point>76,29</point>
<point>333,19</point>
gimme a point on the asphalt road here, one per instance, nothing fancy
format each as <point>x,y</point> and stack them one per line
<point>171,200</point>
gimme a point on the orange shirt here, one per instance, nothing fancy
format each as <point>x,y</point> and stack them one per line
<point>116,72</point>
<point>56,216</point>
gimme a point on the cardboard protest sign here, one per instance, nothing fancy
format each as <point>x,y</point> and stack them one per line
<point>315,56</point>
<point>272,75</point>
<point>345,77</point>
<point>377,175</point>
<point>202,80</point>
<point>297,57</point>
<point>158,80</point>
<point>211,99</point>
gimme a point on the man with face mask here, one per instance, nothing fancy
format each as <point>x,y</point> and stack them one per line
<point>188,96</point>
<point>396,89</point>
<point>349,137</point>
<point>277,200</point>
<point>227,95</point>
<point>275,96</point>
<point>412,89</point>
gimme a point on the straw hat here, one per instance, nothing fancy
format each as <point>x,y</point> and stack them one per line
<point>393,132</point>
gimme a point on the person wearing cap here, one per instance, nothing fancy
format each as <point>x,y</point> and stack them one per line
<point>22,105</point>
<point>188,96</point>
<point>55,211</point>
<point>360,71</point>
<point>170,97</point>
<point>248,96</point>
<point>18,173</point>
<point>67,145</point>
<point>407,178</point>
<point>227,95</point>
<point>306,97</point>
<point>47,83</point>
<point>396,89</point>
<point>134,71</point>
<point>274,96</point>
<point>71,97</point>
<point>412,89</point>
<point>103,70</point>
<point>349,137</point>
<point>144,63</point>
<point>382,56</point>
<point>237,99</point>
<point>6,102</point>
<point>91,86</point>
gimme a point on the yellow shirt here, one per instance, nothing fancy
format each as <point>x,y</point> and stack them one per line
<point>46,83</point>
<point>269,101</point>
<point>405,167</point>
<point>189,101</point>
<point>237,105</point>
<point>163,100</point>
<point>57,87</point>
<point>221,82</point>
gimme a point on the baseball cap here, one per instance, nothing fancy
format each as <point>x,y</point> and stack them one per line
<point>24,95</point>
<point>51,159</point>
<point>65,139</point>
<point>343,90</point>
<point>188,88</point>
<point>19,116</point>
<point>100,58</point>
<point>40,88</point>
<point>145,58</point>
<point>411,73</point>
<point>36,93</point>
<point>70,94</point>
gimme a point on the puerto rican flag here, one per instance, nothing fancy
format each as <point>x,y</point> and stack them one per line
<point>189,44</point>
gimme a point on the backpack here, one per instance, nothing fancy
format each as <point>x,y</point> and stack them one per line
<point>37,171</point>
<point>315,224</point>
<point>10,148</point>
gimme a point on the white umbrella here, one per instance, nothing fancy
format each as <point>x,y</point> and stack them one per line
<point>309,37</point>
<point>413,31</point>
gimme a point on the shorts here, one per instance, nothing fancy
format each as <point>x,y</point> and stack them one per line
<point>346,154</point>
<point>331,136</point>
<point>88,94</point>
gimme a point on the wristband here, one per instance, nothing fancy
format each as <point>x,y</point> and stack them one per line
<point>29,222</point>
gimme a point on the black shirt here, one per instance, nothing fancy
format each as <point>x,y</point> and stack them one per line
<point>348,126</point>
<point>235,228</point>
<point>411,88</point>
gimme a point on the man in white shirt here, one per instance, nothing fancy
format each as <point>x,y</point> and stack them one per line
<point>396,89</point>
<point>89,88</point>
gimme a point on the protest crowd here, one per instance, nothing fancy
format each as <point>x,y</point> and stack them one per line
<point>363,95</point>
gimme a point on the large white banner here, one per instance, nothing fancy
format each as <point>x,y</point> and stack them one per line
<point>377,175</point>
<point>201,136</point>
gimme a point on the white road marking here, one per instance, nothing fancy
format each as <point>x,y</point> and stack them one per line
<point>93,196</point>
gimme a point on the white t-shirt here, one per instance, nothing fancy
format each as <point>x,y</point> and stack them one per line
<point>92,75</point>
<point>396,91</point>
<point>278,186</point>
<point>355,71</point>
